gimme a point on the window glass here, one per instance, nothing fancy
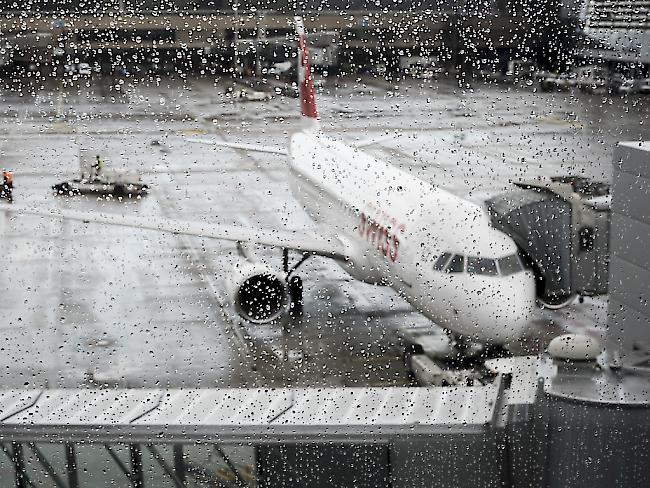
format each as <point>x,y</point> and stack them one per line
<point>239,227</point>
<point>456,265</point>
<point>509,265</point>
<point>481,266</point>
<point>439,265</point>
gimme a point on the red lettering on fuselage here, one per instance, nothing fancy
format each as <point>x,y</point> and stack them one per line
<point>381,237</point>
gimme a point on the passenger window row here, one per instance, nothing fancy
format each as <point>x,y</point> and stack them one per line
<point>457,263</point>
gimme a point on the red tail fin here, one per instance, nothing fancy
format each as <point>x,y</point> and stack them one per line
<point>305,82</point>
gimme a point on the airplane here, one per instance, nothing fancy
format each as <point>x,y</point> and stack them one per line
<point>380,224</point>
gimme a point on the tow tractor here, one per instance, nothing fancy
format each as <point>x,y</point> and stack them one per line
<point>95,179</point>
<point>436,359</point>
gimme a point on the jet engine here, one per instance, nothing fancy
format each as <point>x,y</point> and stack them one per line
<point>258,293</point>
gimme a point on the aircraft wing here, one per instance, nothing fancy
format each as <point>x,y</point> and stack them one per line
<point>373,140</point>
<point>289,239</point>
<point>275,150</point>
<point>236,145</point>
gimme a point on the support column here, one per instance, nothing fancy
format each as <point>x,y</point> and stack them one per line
<point>19,464</point>
<point>137,477</point>
<point>71,465</point>
<point>179,463</point>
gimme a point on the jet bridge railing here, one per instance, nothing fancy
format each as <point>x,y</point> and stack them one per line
<point>239,437</point>
<point>538,425</point>
<point>75,465</point>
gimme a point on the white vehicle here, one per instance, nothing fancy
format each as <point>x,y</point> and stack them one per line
<point>591,78</point>
<point>84,69</point>
<point>280,68</point>
<point>552,81</point>
<point>632,85</point>
<point>249,95</point>
<point>382,225</point>
<point>419,66</point>
<point>626,86</point>
<point>254,96</point>
<point>641,85</point>
<point>644,86</point>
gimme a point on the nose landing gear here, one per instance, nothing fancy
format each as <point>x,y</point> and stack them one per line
<point>294,284</point>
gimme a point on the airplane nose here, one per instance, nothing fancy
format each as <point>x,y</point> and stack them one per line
<point>506,312</point>
<point>515,308</point>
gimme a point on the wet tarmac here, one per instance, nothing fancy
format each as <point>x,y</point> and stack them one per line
<point>86,304</point>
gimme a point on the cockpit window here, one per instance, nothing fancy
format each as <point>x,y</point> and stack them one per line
<point>509,265</point>
<point>475,265</point>
<point>456,265</point>
<point>439,265</point>
<point>481,266</point>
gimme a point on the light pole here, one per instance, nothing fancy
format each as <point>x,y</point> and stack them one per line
<point>235,6</point>
<point>261,35</point>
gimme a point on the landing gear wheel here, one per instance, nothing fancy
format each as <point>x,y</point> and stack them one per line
<point>411,349</point>
<point>295,296</point>
<point>119,191</point>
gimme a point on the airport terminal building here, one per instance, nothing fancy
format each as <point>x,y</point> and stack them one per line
<point>461,35</point>
<point>617,31</point>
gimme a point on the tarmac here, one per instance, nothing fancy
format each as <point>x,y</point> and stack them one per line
<point>91,305</point>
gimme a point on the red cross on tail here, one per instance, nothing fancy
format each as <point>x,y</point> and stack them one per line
<point>305,82</point>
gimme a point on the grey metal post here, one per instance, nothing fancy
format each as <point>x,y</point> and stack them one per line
<point>628,334</point>
<point>137,476</point>
<point>179,463</point>
<point>47,466</point>
<point>163,464</point>
<point>71,465</point>
<point>235,6</point>
<point>19,464</point>
<point>261,36</point>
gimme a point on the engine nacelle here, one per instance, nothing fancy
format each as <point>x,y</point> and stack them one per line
<point>258,293</point>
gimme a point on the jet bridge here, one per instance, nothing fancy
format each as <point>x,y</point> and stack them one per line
<point>562,227</point>
<point>536,421</point>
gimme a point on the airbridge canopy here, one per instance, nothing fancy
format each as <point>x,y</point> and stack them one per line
<point>247,437</point>
<point>238,415</point>
<point>502,434</point>
<point>562,225</point>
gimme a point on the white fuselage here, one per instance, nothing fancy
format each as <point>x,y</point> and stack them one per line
<point>395,227</point>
